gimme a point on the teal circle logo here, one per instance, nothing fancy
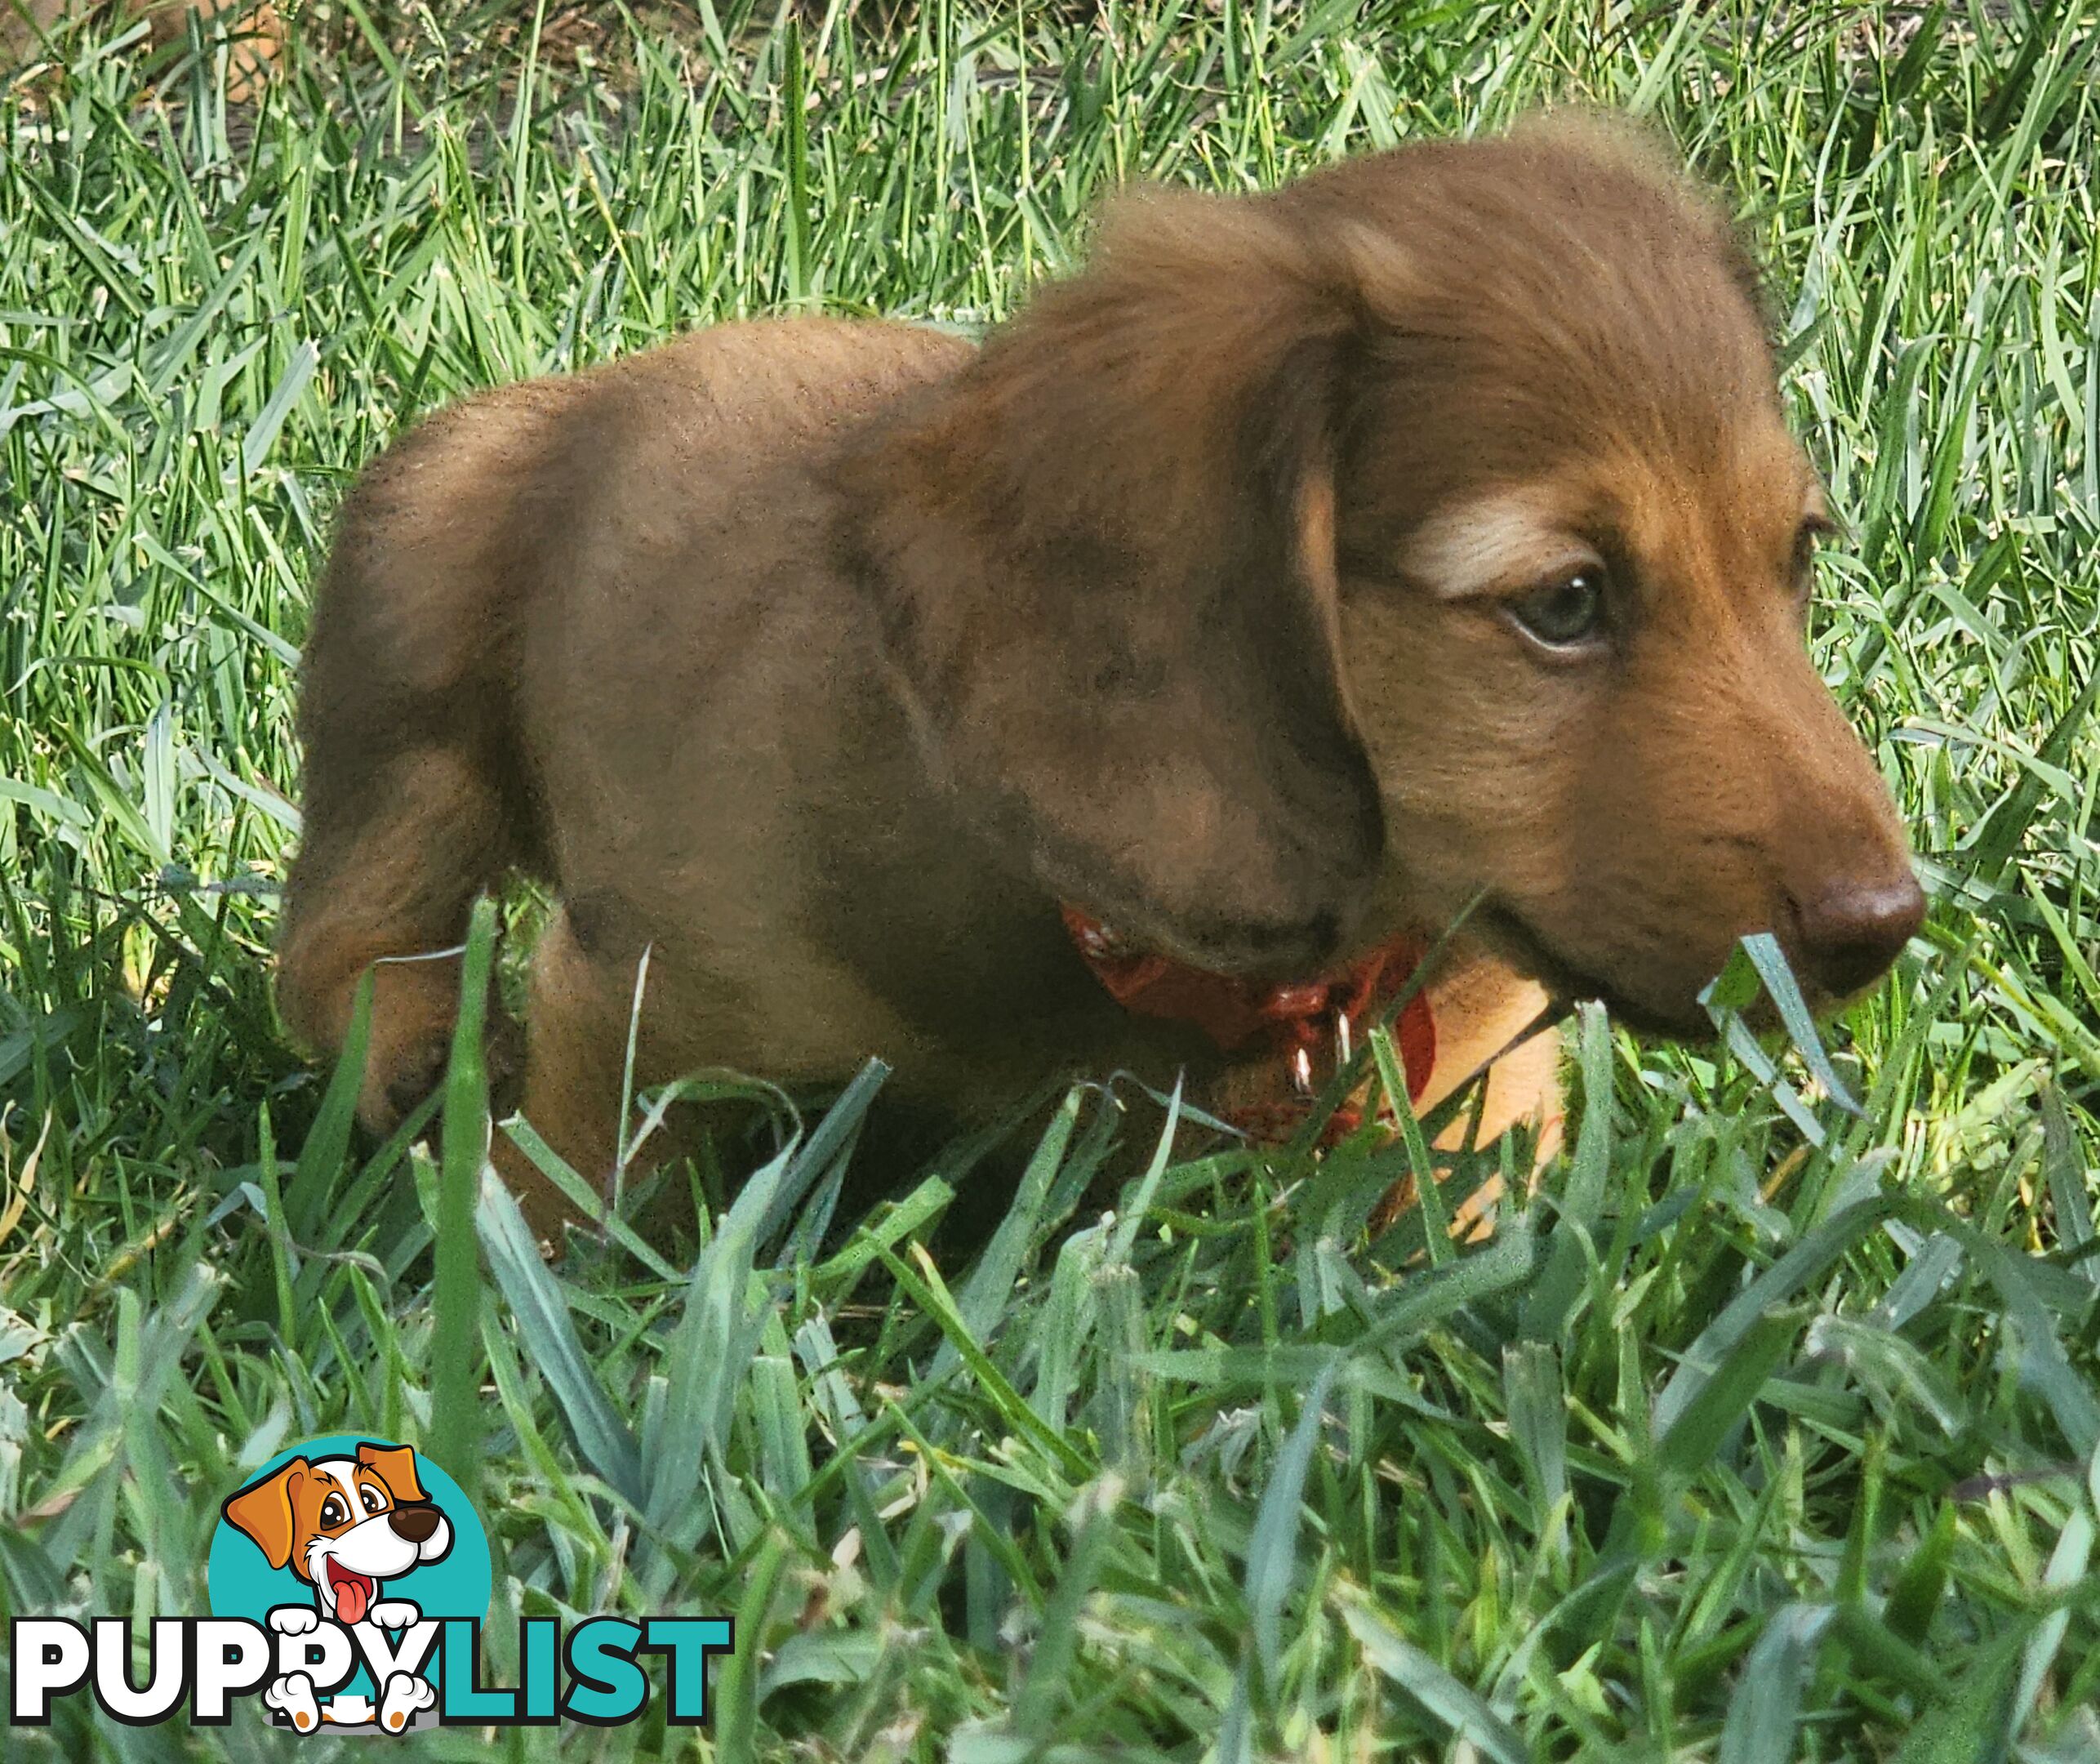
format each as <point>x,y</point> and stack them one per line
<point>351,1551</point>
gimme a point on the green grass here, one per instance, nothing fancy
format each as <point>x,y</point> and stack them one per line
<point>1768,1432</point>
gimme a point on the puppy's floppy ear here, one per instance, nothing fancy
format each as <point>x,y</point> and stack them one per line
<point>264,1511</point>
<point>395,1465</point>
<point>1102,555</point>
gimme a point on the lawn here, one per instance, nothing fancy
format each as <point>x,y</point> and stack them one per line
<point>1769,1431</point>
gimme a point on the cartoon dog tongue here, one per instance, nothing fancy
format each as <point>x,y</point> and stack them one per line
<point>353,1591</point>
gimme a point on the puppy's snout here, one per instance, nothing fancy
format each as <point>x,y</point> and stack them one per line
<point>413,1524</point>
<point>1854,928</point>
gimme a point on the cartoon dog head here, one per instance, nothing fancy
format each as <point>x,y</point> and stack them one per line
<point>344,1525</point>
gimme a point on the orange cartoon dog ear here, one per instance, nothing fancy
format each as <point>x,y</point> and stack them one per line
<point>395,1465</point>
<point>264,1511</point>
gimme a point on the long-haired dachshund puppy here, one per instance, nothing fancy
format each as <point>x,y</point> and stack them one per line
<point>1131,692</point>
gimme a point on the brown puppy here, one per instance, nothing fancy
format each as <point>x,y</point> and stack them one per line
<point>254,30</point>
<point>1313,563</point>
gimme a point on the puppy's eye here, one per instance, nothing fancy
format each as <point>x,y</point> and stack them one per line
<point>1566,614</point>
<point>335,1511</point>
<point>371,1497</point>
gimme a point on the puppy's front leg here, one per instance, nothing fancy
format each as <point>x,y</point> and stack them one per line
<point>1480,1008</point>
<point>575,1039</point>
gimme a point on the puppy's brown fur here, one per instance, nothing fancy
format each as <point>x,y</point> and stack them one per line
<point>824,659</point>
<point>255,30</point>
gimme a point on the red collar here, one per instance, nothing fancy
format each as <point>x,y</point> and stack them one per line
<point>1300,1021</point>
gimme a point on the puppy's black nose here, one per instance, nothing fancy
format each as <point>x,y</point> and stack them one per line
<point>1853,930</point>
<point>413,1523</point>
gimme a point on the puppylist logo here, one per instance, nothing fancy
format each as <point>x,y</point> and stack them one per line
<point>348,1582</point>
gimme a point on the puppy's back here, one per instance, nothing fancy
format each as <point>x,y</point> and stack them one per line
<point>500,526</point>
<point>450,529</point>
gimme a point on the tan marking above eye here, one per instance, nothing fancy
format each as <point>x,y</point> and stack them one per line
<point>1506,543</point>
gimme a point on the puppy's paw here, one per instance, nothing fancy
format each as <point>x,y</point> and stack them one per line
<point>405,1694</point>
<point>292,1697</point>
<point>295,1620</point>
<point>503,1056</point>
<point>395,1614</point>
<point>419,1072</point>
<point>411,1076</point>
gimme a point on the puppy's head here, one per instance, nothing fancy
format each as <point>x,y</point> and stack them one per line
<point>1320,561</point>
